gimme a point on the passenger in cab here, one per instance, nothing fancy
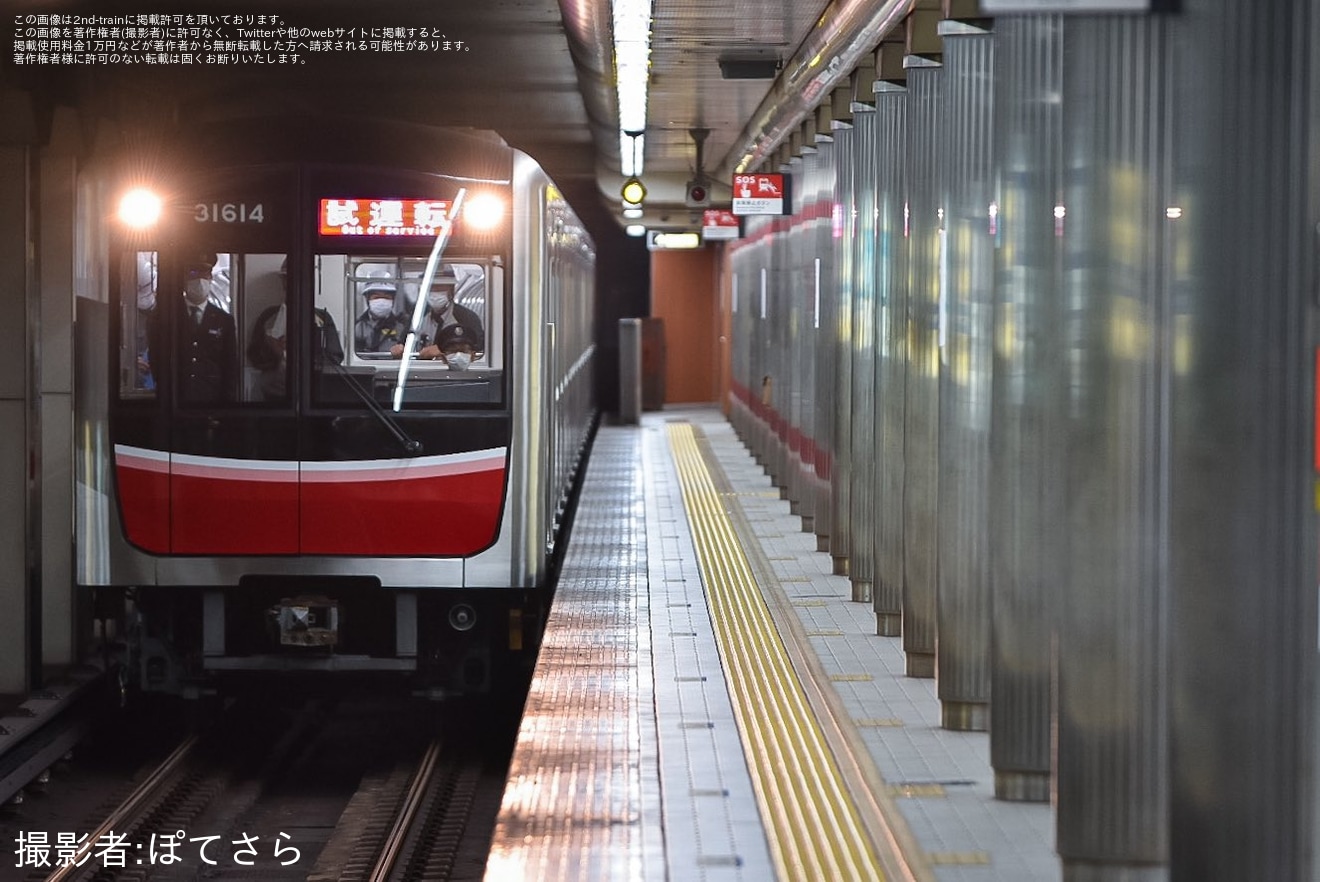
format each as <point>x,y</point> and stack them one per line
<point>266,352</point>
<point>208,348</point>
<point>448,320</point>
<point>379,327</point>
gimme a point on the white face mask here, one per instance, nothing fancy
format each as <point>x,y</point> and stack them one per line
<point>196,291</point>
<point>146,300</point>
<point>458,360</point>
<point>437,301</point>
<point>379,307</point>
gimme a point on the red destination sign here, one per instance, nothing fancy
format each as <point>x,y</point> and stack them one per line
<point>383,217</point>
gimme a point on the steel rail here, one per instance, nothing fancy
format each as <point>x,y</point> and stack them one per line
<point>403,822</point>
<point>126,809</point>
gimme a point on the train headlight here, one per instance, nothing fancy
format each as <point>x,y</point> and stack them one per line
<point>140,208</point>
<point>483,211</point>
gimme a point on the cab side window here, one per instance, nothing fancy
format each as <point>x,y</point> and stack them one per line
<point>137,309</point>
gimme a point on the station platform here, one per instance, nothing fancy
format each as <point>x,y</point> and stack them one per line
<point>709,704</point>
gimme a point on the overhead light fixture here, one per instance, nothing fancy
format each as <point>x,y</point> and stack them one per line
<point>662,241</point>
<point>632,192</point>
<point>632,62</point>
<point>632,213</point>
<point>635,229</point>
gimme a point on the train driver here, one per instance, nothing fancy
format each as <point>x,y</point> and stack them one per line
<point>379,327</point>
<point>448,321</point>
<point>208,353</point>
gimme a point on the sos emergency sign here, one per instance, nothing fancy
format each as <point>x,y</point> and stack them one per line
<point>758,194</point>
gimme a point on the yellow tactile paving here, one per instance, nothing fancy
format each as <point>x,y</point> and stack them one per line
<point>816,832</point>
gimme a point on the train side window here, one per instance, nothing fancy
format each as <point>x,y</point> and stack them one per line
<point>137,309</point>
<point>264,286</point>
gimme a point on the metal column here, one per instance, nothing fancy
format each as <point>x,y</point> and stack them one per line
<point>1242,230</point>
<point>963,607</point>
<point>1027,449</point>
<point>1113,663</point>
<point>891,364</point>
<point>921,415</point>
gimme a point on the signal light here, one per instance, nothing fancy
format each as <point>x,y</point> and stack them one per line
<point>633,192</point>
<point>698,194</point>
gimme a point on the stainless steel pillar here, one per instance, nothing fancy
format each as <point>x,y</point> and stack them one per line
<point>1241,224</point>
<point>823,271</point>
<point>1027,447</point>
<point>921,415</point>
<point>816,204</point>
<point>1112,751</point>
<point>891,372</point>
<point>804,380</point>
<point>841,296</point>
<point>967,172</point>
<point>863,449</point>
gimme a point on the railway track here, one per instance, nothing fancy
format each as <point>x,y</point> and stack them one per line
<point>324,791</point>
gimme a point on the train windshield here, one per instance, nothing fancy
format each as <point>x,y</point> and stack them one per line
<point>220,323</point>
<point>449,333</point>
<point>215,321</point>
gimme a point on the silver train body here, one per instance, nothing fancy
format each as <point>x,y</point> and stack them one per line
<point>345,509</point>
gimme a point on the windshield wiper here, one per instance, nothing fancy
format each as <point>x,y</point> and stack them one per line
<point>419,308</point>
<point>410,444</point>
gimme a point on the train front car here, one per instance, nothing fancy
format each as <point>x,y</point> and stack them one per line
<point>347,396</point>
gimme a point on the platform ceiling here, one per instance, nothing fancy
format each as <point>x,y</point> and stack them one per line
<point>517,76</point>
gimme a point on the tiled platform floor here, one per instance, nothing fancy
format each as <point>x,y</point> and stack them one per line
<point>658,777</point>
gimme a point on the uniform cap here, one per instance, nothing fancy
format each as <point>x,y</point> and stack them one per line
<point>452,337</point>
<point>200,263</point>
<point>378,289</point>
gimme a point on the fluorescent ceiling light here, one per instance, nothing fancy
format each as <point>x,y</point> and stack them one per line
<point>635,230</point>
<point>632,60</point>
<point>675,240</point>
<point>633,213</point>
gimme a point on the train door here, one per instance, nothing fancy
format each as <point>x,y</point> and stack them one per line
<point>204,419</point>
<point>234,469</point>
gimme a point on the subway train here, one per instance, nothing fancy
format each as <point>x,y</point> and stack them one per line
<point>331,399</point>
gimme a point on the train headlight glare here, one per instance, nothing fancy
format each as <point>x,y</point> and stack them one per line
<point>483,211</point>
<point>140,208</point>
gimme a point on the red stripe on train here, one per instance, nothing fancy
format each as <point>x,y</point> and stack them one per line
<point>426,507</point>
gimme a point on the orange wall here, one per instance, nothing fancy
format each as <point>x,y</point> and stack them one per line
<point>685,295</point>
